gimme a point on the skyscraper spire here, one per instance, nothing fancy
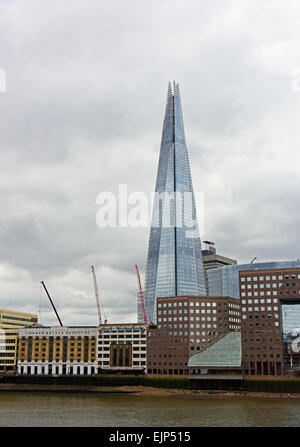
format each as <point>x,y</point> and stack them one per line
<point>174,262</point>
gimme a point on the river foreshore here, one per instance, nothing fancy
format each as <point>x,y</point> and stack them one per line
<point>146,391</point>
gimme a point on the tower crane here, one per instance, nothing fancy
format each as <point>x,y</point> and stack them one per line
<point>141,293</point>
<point>97,296</point>
<point>54,308</point>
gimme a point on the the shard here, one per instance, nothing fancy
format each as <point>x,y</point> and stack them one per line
<point>174,262</point>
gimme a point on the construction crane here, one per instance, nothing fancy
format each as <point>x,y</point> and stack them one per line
<point>54,308</point>
<point>141,293</point>
<point>97,295</point>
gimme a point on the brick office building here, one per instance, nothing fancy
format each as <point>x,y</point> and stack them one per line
<point>270,311</point>
<point>186,325</point>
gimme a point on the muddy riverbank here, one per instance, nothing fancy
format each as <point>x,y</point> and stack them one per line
<point>146,391</point>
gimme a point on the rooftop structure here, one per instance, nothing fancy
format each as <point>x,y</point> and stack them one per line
<point>213,260</point>
<point>225,281</point>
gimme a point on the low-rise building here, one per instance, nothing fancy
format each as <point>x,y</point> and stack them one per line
<point>10,322</point>
<point>57,350</point>
<point>186,325</point>
<point>122,348</point>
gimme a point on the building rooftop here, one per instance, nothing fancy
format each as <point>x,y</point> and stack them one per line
<point>224,353</point>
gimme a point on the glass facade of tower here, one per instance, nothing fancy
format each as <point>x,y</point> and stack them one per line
<point>290,320</point>
<point>174,263</point>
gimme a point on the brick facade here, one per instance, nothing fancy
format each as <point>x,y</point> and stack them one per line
<point>186,325</point>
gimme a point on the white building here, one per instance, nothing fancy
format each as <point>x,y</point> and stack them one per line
<point>57,350</point>
<point>122,348</point>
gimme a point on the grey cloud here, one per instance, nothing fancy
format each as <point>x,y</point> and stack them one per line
<point>83,112</point>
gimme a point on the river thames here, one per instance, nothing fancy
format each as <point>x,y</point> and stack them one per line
<point>40,409</point>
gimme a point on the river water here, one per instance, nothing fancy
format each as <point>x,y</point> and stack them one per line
<point>122,410</point>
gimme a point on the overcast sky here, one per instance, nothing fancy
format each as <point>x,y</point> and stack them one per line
<point>86,91</point>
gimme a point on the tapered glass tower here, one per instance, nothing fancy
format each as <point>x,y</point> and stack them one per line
<point>174,263</point>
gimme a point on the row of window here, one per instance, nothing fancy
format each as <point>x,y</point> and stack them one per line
<point>262,309</point>
<point>268,277</point>
<point>135,363</point>
<point>7,340</point>
<point>261,301</point>
<point>197,311</point>
<point>264,340</point>
<point>170,363</point>
<point>9,317</point>
<point>263,324</point>
<point>121,329</point>
<point>257,316</point>
<point>267,293</point>
<point>170,319</point>
<point>115,336</point>
<point>196,304</point>
<point>271,356</point>
<point>266,286</point>
<point>136,356</point>
<point>263,348</point>
<point>54,336</point>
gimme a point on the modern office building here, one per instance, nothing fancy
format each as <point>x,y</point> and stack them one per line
<point>186,325</point>
<point>10,322</point>
<point>56,350</point>
<point>225,281</point>
<point>122,348</point>
<point>270,310</point>
<point>213,260</point>
<point>174,262</point>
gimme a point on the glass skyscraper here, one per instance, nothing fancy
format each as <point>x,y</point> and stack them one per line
<point>174,262</point>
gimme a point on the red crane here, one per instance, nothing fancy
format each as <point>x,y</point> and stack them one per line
<point>141,293</point>
<point>52,303</point>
